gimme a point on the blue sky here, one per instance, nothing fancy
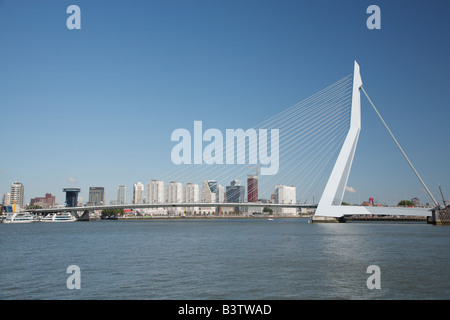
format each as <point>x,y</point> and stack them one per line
<point>97,106</point>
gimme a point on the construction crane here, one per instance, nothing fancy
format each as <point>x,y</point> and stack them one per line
<point>442,195</point>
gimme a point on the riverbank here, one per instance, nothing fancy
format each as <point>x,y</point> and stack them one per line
<point>198,217</point>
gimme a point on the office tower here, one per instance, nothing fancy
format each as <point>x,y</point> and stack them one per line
<point>138,193</point>
<point>174,192</point>
<point>71,196</point>
<point>17,194</point>
<point>285,194</point>
<point>208,191</point>
<point>252,188</point>
<point>235,193</point>
<point>191,193</point>
<point>220,194</point>
<point>155,191</point>
<point>208,195</point>
<point>6,199</point>
<point>122,194</point>
<point>191,196</point>
<point>96,196</point>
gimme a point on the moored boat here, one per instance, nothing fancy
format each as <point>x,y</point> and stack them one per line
<point>63,217</point>
<point>19,217</point>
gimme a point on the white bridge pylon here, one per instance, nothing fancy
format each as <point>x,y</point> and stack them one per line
<point>333,194</point>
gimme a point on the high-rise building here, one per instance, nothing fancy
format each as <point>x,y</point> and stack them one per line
<point>138,193</point>
<point>285,194</point>
<point>122,194</point>
<point>220,194</point>
<point>191,192</point>
<point>208,191</point>
<point>72,197</point>
<point>191,195</point>
<point>96,196</point>
<point>235,193</point>
<point>6,199</point>
<point>208,194</point>
<point>252,188</point>
<point>174,193</point>
<point>17,194</point>
<point>155,192</point>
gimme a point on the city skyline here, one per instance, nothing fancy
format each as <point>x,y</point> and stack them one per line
<point>96,106</point>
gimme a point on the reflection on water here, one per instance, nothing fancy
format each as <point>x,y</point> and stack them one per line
<point>224,259</point>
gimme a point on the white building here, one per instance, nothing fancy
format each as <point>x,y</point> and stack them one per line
<point>285,194</point>
<point>138,193</point>
<point>174,192</point>
<point>17,194</point>
<point>122,194</point>
<point>208,196</point>
<point>191,196</point>
<point>191,193</point>
<point>220,194</point>
<point>155,191</point>
<point>7,199</point>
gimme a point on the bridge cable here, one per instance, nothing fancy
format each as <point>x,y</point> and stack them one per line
<point>403,152</point>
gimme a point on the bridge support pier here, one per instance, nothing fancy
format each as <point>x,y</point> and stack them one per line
<point>75,214</point>
<point>440,217</point>
<point>84,216</point>
<point>324,219</point>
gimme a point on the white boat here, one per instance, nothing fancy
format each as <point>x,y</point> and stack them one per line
<point>63,217</point>
<point>19,217</point>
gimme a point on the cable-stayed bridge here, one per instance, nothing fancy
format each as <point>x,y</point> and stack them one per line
<point>314,137</point>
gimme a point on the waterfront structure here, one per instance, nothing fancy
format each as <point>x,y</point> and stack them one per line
<point>155,191</point>
<point>174,192</point>
<point>330,206</point>
<point>71,196</point>
<point>220,194</point>
<point>122,194</point>
<point>96,196</point>
<point>191,192</point>
<point>138,193</point>
<point>235,193</point>
<point>191,195</point>
<point>252,188</point>
<point>208,194</point>
<point>286,195</point>
<point>17,194</point>
<point>6,199</point>
<point>47,202</point>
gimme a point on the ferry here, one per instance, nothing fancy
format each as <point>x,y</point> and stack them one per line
<point>19,217</point>
<point>63,217</point>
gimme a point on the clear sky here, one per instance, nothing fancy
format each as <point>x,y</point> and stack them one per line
<point>97,106</point>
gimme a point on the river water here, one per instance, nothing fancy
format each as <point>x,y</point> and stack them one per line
<point>224,259</point>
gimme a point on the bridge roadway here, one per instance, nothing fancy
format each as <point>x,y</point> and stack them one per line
<point>170,205</point>
<point>352,210</point>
